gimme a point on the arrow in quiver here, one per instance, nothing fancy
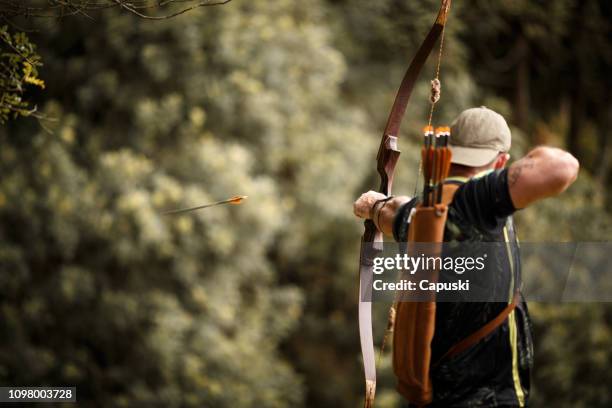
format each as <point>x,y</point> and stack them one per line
<point>436,159</point>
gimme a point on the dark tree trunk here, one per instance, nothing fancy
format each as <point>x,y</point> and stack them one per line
<point>575,121</point>
<point>604,157</point>
<point>522,95</point>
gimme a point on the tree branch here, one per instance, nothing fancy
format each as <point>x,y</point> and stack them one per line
<point>64,8</point>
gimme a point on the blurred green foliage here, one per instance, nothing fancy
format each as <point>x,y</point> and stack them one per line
<point>255,305</point>
<point>19,65</point>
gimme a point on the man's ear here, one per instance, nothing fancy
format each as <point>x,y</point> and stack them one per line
<point>501,161</point>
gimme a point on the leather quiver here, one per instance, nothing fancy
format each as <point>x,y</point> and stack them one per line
<point>415,320</point>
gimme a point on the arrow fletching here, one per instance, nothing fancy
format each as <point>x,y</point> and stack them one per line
<point>236,200</point>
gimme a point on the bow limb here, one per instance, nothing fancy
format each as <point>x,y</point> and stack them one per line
<point>414,69</point>
<point>388,154</point>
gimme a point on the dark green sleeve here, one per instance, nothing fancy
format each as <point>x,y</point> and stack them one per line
<point>485,202</point>
<point>400,222</point>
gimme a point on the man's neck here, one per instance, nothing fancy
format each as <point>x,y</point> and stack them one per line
<point>463,171</point>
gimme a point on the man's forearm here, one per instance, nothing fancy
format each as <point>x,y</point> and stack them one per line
<point>544,172</point>
<point>384,215</point>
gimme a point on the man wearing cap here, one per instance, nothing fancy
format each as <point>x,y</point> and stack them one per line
<point>495,372</point>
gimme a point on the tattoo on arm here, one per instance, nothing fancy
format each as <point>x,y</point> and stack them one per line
<point>515,171</point>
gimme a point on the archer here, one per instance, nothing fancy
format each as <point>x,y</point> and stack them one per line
<point>493,369</point>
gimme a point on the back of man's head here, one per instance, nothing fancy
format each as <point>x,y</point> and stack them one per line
<point>478,136</point>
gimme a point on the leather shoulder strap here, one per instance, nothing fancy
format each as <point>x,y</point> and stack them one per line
<point>481,333</point>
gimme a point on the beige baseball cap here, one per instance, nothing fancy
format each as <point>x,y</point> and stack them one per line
<point>477,136</point>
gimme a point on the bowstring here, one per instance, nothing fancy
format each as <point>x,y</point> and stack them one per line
<point>432,104</point>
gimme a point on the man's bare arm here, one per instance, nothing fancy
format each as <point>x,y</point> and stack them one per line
<point>544,172</point>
